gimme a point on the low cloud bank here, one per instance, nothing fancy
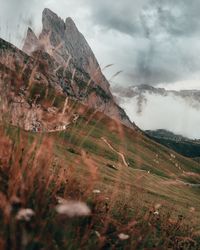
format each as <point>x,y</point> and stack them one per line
<point>152,111</point>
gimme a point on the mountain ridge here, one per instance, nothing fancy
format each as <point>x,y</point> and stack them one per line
<point>180,144</point>
<point>131,91</point>
<point>63,38</point>
<point>70,50</point>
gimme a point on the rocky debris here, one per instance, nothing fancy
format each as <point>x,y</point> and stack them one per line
<point>52,110</point>
<point>28,118</point>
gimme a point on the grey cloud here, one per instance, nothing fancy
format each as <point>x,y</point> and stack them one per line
<point>176,17</point>
<point>118,15</point>
<point>15,16</point>
<point>171,28</point>
<point>180,17</point>
<point>152,41</point>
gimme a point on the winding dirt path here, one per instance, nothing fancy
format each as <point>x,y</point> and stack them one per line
<point>126,164</point>
<point>111,147</point>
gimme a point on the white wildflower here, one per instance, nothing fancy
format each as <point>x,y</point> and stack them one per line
<point>96,191</point>
<point>97,234</point>
<point>123,236</point>
<point>156,212</point>
<point>25,214</point>
<point>73,209</point>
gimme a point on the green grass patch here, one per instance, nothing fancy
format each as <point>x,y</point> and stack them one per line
<point>155,171</point>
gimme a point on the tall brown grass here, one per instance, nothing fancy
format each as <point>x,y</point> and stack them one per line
<point>31,177</point>
<point>34,181</point>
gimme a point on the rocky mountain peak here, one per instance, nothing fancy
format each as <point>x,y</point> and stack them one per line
<point>53,27</point>
<point>70,50</point>
<point>47,12</point>
<point>49,17</point>
<point>31,42</point>
<point>66,42</point>
<point>70,23</point>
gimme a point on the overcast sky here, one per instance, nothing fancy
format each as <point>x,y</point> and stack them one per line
<point>151,41</point>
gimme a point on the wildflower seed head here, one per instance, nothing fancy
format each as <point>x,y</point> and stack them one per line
<point>25,214</point>
<point>96,191</point>
<point>73,209</point>
<point>123,236</point>
<point>156,212</point>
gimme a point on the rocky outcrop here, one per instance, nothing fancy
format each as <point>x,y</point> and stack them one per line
<point>31,43</point>
<point>25,87</point>
<point>67,45</point>
<point>59,62</point>
<point>80,75</point>
<point>35,94</point>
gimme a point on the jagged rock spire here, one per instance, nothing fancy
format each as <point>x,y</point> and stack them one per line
<point>66,41</point>
<point>31,42</point>
<point>63,41</point>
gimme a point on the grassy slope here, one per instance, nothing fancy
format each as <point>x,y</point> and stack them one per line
<point>39,167</point>
<point>105,170</point>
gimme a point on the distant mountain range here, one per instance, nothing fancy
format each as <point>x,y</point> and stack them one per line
<point>192,97</point>
<point>182,145</point>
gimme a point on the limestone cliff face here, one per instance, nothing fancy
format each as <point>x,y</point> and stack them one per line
<point>25,86</point>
